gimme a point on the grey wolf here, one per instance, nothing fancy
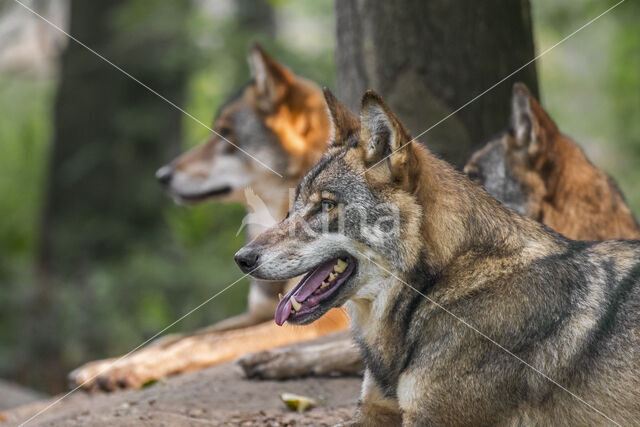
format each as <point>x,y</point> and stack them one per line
<point>531,168</point>
<point>447,302</point>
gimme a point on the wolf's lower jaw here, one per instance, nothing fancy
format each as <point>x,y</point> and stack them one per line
<point>199,197</point>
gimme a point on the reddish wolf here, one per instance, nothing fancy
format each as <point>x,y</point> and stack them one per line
<point>280,119</point>
<point>539,172</point>
<point>465,312</point>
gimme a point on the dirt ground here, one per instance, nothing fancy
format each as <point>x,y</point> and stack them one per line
<point>13,395</point>
<point>217,396</point>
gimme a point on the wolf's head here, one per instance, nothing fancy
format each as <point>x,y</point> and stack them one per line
<point>511,167</point>
<point>355,205</point>
<point>278,118</point>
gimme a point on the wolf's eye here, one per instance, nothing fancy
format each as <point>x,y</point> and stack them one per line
<point>327,205</point>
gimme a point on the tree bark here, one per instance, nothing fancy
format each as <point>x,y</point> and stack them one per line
<point>256,16</point>
<point>254,21</point>
<point>428,58</point>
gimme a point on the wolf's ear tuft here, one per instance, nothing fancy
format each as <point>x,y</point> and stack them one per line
<point>382,135</point>
<point>532,126</point>
<point>344,124</point>
<point>528,120</point>
<point>272,79</point>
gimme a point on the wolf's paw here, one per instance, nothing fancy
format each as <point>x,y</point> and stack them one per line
<point>85,376</point>
<point>106,375</point>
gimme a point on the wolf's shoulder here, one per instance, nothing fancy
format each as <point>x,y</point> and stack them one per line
<point>617,247</point>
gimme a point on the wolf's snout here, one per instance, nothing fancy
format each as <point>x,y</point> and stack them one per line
<point>247,259</point>
<point>164,175</point>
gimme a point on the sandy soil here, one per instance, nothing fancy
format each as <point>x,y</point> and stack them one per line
<point>12,395</point>
<point>215,396</point>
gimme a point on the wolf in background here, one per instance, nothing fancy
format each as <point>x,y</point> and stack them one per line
<point>537,171</point>
<point>465,313</point>
<point>280,119</point>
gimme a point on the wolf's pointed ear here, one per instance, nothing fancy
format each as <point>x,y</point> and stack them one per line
<point>530,123</point>
<point>272,80</point>
<point>382,136</point>
<point>344,124</point>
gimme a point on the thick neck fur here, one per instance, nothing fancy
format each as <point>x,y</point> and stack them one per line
<point>462,227</point>
<point>459,216</point>
<point>459,220</point>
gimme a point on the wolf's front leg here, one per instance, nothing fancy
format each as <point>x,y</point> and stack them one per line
<point>374,409</point>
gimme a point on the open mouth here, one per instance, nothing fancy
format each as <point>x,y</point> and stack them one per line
<point>316,286</point>
<point>221,191</point>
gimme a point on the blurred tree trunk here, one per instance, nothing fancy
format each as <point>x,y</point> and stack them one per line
<point>109,136</point>
<point>254,21</point>
<point>256,16</point>
<point>109,133</point>
<point>427,58</point>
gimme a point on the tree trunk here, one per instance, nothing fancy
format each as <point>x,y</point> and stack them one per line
<point>428,58</point>
<point>110,134</point>
<point>256,16</point>
<point>254,21</point>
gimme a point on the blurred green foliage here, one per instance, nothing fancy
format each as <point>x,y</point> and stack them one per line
<point>124,301</point>
<point>24,128</point>
<point>590,85</point>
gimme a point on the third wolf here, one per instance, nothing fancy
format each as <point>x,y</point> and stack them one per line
<point>539,172</point>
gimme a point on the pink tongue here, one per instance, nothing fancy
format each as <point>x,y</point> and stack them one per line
<point>303,290</point>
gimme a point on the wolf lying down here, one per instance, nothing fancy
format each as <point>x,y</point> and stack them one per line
<point>465,312</point>
<point>281,119</point>
<point>537,171</point>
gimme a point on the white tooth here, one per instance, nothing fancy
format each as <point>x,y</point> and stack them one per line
<point>279,297</point>
<point>340,266</point>
<point>296,305</point>
<point>324,285</point>
<point>332,276</point>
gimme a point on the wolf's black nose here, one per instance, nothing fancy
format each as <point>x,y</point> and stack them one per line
<point>164,175</point>
<point>247,259</point>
